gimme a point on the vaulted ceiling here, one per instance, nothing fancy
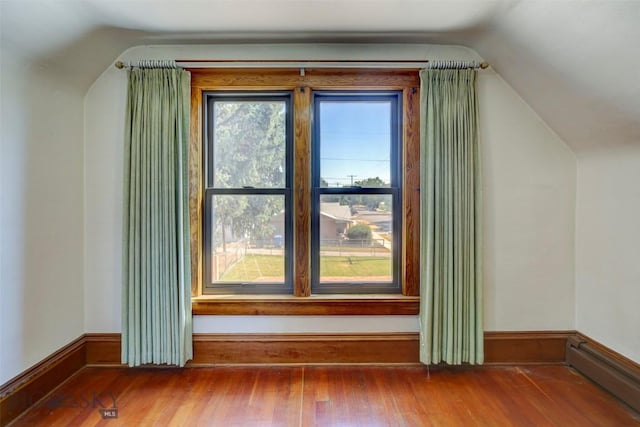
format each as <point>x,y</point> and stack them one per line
<point>576,62</point>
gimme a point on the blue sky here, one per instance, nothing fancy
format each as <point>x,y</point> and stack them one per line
<point>355,140</point>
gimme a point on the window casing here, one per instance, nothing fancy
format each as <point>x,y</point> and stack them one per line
<point>405,83</point>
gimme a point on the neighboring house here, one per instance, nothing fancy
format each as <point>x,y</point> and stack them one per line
<point>335,220</point>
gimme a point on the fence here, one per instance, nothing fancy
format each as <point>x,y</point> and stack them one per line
<point>373,247</point>
<point>223,261</point>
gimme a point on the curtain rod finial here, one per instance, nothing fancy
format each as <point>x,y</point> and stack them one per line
<point>484,65</point>
<point>120,65</point>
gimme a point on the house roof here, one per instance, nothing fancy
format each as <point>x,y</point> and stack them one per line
<point>336,211</point>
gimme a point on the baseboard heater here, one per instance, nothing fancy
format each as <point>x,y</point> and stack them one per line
<point>611,373</point>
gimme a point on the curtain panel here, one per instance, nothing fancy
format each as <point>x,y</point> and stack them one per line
<point>156,289</point>
<point>451,327</point>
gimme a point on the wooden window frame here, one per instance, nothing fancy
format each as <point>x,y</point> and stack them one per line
<point>302,85</point>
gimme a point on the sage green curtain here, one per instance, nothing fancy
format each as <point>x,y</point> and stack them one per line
<point>156,288</point>
<point>451,247</point>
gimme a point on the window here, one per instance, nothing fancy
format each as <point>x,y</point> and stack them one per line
<point>247,222</point>
<point>304,185</point>
<point>356,219</point>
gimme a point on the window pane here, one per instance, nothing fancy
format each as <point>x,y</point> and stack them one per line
<point>247,241</point>
<point>249,144</point>
<point>355,143</point>
<point>356,238</point>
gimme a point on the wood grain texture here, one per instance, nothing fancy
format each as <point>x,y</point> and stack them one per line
<point>525,347</point>
<point>195,190</point>
<point>240,349</point>
<point>213,349</point>
<point>334,396</point>
<point>103,349</point>
<point>485,387</point>
<point>222,79</point>
<point>19,393</point>
<point>411,192</point>
<point>287,306</point>
<point>302,192</point>
<point>314,78</point>
<point>501,348</point>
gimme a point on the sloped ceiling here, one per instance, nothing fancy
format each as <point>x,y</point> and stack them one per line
<point>576,62</point>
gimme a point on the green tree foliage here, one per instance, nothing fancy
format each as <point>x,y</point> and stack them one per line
<point>359,232</point>
<point>372,182</point>
<point>249,144</point>
<point>249,151</point>
<point>371,201</point>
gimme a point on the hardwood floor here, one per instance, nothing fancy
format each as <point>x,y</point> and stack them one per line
<point>331,396</point>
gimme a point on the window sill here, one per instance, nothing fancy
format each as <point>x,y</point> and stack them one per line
<point>314,305</point>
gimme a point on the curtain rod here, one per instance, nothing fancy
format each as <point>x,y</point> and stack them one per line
<point>482,65</point>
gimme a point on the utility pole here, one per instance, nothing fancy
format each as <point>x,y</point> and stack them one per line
<point>352,176</point>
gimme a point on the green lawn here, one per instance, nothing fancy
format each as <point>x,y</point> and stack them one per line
<point>253,267</point>
<point>271,267</point>
<point>354,266</point>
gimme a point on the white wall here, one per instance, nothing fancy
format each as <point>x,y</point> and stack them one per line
<point>608,248</point>
<point>529,195</point>
<point>529,188</point>
<point>41,216</point>
<point>104,147</point>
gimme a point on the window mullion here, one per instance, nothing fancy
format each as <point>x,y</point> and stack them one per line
<point>302,192</point>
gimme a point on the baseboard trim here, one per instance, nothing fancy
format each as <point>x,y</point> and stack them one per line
<point>537,347</point>
<point>501,348</point>
<point>386,348</point>
<point>610,370</point>
<point>23,391</point>
<point>243,349</point>
<point>525,348</point>
<point>103,349</point>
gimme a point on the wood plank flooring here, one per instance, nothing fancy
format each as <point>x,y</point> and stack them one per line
<point>331,396</point>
